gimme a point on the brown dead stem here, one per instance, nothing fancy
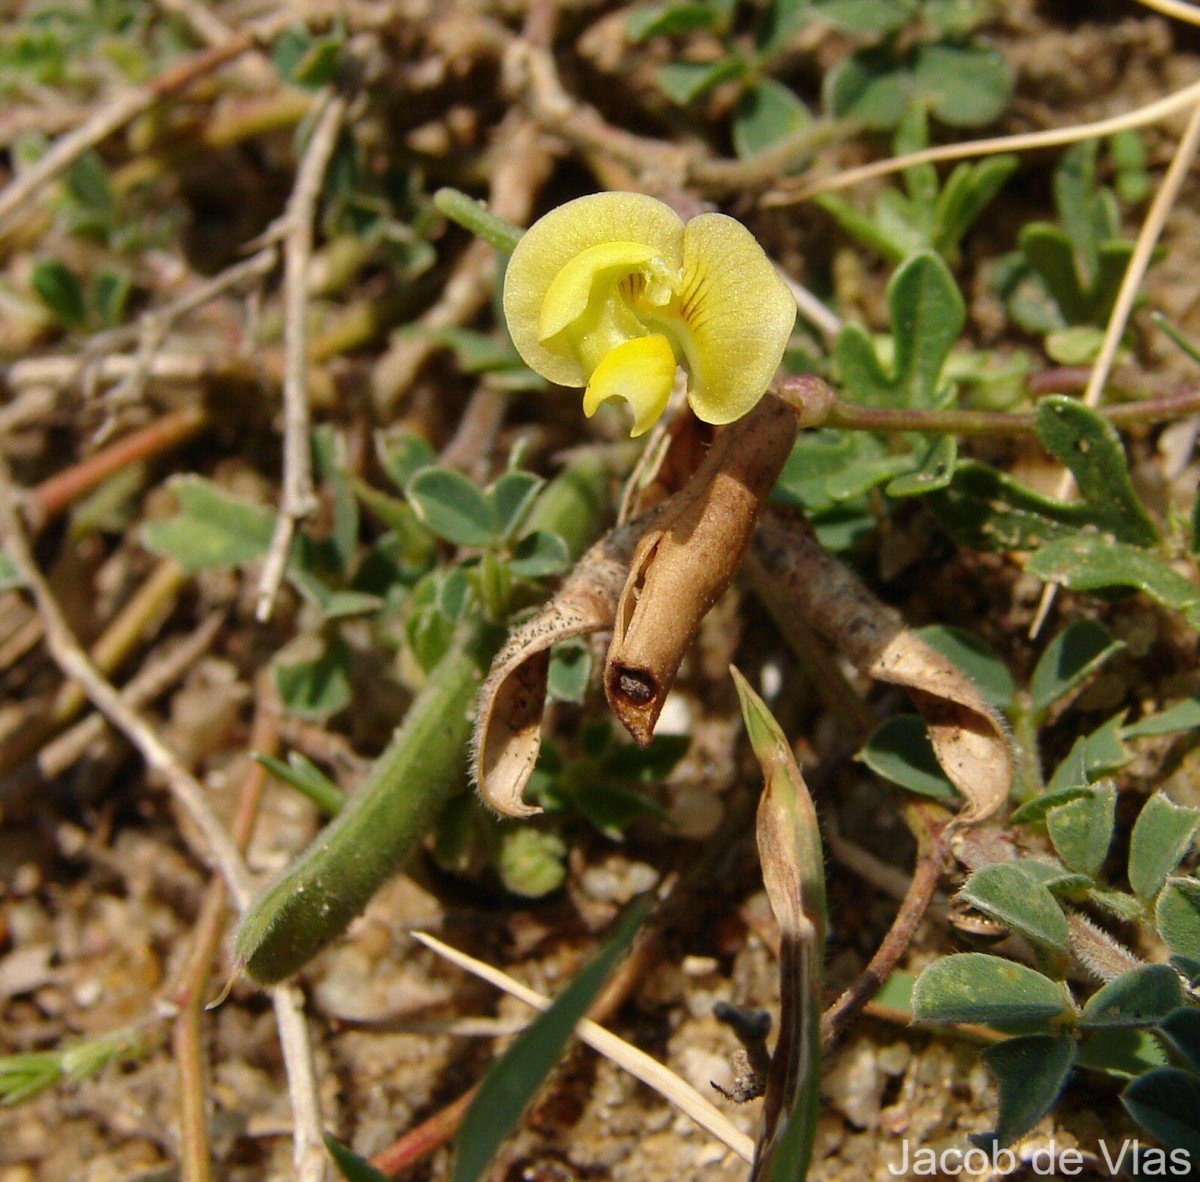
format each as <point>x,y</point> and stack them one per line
<point>788,565</point>
<point>508,719</point>
<point>688,560</point>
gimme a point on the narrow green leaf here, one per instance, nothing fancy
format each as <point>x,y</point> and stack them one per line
<point>515,1078</point>
<point>304,775</point>
<point>900,751</point>
<point>1183,716</point>
<point>1082,829</point>
<point>476,217</point>
<point>1085,563</point>
<point>1068,661</point>
<point>1088,444</point>
<point>1008,894</point>
<point>976,987</point>
<point>1161,838</point>
<point>974,658</point>
<point>352,1167</point>
<point>211,527</point>
<point>1037,809</point>
<point>1166,1103</point>
<point>968,191</point>
<point>1177,916</point>
<point>1140,997</point>
<point>452,507</point>
<point>318,688</point>
<point>934,469</point>
<point>1030,1074</point>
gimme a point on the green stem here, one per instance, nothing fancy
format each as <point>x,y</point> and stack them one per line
<point>477,218</point>
<point>817,406</point>
<point>380,825</point>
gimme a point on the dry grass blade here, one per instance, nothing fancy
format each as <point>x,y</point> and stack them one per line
<point>791,570</point>
<point>688,560</point>
<point>508,718</point>
<point>793,869</point>
<point>652,1073</point>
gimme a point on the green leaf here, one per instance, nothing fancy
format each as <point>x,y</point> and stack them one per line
<point>10,575</point>
<point>1082,829</point>
<point>1183,716</point>
<point>928,315</point>
<point>211,528</point>
<point>1090,447</point>
<point>531,862</point>
<point>1182,1027</point>
<point>865,16</point>
<point>87,182</point>
<point>1139,997</point>
<point>766,113</point>
<point>1068,661</point>
<point>318,688</point>
<point>1036,809</point>
<point>1166,1103</point>
<point>304,775</point>
<point>1088,563</point>
<point>111,290</point>
<point>539,554</point>
<point>402,455</point>
<point>570,671</point>
<point>1177,916</point>
<point>976,987</point>
<point>1030,1075</point>
<point>657,20</point>
<point>1016,899</point>
<point>352,1167</point>
<point>934,470</point>
<point>515,1078</point>
<point>964,85</point>
<point>968,191</point>
<point>306,60</point>
<point>1161,838</point>
<point>1092,757</point>
<point>511,497</point>
<point>900,751</point>
<point>61,290</point>
<point>23,1076</point>
<point>988,510</point>
<point>475,352</point>
<point>684,82</point>
<point>974,658</point>
<point>1122,1052</point>
<point>452,507</point>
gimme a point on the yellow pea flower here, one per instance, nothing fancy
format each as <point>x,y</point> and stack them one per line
<point>613,292</point>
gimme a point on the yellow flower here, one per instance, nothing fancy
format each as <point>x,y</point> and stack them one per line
<point>613,292</point>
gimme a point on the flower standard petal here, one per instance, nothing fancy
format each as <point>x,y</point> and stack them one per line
<point>642,372</point>
<point>552,242</point>
<point>739,314</point>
